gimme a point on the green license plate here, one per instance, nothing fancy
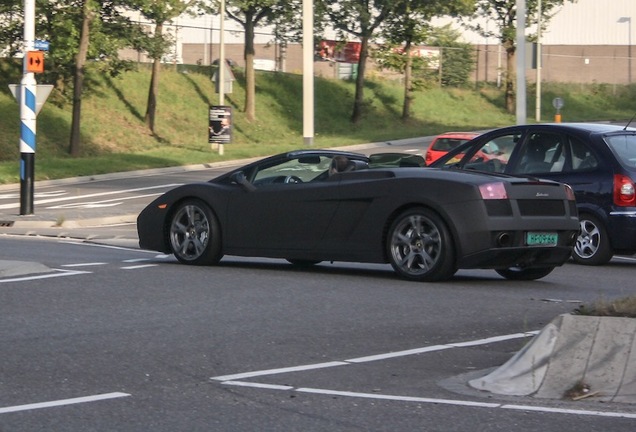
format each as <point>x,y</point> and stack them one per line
<point>541,238</point>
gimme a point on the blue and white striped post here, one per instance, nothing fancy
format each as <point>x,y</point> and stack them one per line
<point>28,91</point>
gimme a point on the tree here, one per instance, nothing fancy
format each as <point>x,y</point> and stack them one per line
<point>456,57</point>
<point>73,25</point>
<point>504,13</point>
<point>359,18</point>
<point>11,27</point>
<point>88,15</point>
<point>250,14</point>
<point>157,44</point>
<point>409,26</point>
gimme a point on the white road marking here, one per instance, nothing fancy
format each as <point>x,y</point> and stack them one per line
<point>569,411</point>
<point>104,203</point>
<point>88,264</point>
<point>139,266</point>
<point>279,371</point>
<point>399,398</point>
<point>234,380</point>
<point>63,402</point>
<point>625,258</point>
<point>45,276</point>
<point>375,357</point>
<point>75,243</point>
<point>36,195</point>
<point>98,194</point>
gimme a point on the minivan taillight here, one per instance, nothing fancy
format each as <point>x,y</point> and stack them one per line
<point>624,191</point>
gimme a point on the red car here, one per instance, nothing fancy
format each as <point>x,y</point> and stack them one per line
<point>445,142</point>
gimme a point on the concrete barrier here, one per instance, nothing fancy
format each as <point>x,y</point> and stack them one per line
<point>573,357</point>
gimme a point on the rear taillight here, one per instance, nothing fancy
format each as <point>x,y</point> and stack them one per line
<point>624,191</point>
<point>569,193</point>
<point>493,191</point>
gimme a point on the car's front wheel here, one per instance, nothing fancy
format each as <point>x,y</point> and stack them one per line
<point>592,246</point>
<point>420,247</point>
<point>518,273</point>
<point>195,236</point>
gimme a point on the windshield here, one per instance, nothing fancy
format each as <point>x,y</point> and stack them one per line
<point>624,147</point>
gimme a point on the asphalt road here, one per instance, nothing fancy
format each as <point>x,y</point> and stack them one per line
<point>115,338</point>
<point>97,335</point>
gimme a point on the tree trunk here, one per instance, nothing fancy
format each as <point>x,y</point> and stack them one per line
<point>511,78</point>
<point>250,79</point>
<point>78,79</point>
<point>408,83</point>
<point>151,106</point>
<point>358,100</point>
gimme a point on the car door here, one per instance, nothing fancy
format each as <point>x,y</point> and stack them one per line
<point>277,216</point>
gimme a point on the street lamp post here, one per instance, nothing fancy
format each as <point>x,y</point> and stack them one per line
<point>308,73</point>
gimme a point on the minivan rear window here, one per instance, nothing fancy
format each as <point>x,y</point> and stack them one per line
<point>624,147</point>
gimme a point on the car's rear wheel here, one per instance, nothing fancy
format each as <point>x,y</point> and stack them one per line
<point>592,246</point>
<point>518,273</point>
<point>420,247</point>
<point>195,236</point>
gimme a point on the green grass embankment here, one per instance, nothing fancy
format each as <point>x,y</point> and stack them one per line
<point>115,138</point>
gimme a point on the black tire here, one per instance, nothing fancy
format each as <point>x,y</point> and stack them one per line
<point>517,273</point>
<point>420,247</point>
<point>194,234</point>
<point>592,245</point>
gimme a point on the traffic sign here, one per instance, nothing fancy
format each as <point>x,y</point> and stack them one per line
<point>41,45</point>
<point>35,62</point>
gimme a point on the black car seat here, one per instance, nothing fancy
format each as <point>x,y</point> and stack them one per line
<point>534,159</point>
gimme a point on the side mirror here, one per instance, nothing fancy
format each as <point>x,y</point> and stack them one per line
<point>239,178</point>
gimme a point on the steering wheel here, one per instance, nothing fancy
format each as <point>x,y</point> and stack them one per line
<point>292,179</point>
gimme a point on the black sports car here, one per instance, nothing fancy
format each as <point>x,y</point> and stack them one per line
<point>310,206</point>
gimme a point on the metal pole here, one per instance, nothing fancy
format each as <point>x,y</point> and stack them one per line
<point>521,62</point>
<point>538,96</point>
<point>308,72</point>
<point>221,70</point>
<point>28,91</point>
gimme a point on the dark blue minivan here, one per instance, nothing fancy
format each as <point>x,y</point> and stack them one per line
<point>597,160</point>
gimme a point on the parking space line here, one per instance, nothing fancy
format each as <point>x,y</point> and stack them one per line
<point>63,402</point>
<point>279,371</point>
<point>375,357</point>
<point>235,380</point>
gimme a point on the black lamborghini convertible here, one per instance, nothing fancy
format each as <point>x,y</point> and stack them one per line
<point>310,206</point>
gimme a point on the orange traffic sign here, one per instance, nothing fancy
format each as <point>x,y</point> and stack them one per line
<point>35,62</point>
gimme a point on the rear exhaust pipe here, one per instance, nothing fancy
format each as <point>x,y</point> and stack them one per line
<point>504,239</point>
